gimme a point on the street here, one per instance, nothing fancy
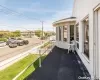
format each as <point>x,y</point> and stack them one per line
<point>7,52</point>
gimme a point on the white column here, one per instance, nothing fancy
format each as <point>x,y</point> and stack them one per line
<point>58,33</point>
<point>68,35</point>
<point>98,43</point>
<point>81,37</point>
<point>62,35</point>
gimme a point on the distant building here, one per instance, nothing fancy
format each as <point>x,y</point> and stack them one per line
<point>28,34</point>
<point>3,31</point>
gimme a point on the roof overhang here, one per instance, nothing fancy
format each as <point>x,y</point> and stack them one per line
<point>64,21</point>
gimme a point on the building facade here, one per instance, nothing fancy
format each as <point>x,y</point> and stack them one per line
<point>84,30</point>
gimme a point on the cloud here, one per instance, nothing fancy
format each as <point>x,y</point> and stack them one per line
<point>42,10</point>
<point>33,25</point>
<point>62,14</point>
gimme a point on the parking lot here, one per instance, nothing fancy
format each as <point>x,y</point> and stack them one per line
<point>7,52</point>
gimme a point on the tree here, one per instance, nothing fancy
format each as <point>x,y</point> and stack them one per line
<point>16,33</point>
<point>38,33</point>
<point>49,33</point>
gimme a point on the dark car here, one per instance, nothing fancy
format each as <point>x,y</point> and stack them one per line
<point>26,42</point>
<point>21,42</point>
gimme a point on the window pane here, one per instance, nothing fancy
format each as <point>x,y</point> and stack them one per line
<point>77,33</point>
<point>65,33</point>
<point>86,38</point>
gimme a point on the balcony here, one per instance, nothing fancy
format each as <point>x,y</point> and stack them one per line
<point>60,65</point>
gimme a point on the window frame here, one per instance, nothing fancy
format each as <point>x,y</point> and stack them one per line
<point>87,57</point>
<point>64,33</point>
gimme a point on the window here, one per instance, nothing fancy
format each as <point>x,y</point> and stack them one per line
<point>86,37</point>
<point>71,32</point>
<point>77,33</point>
<point>65,33</point>
<point>59,33</point>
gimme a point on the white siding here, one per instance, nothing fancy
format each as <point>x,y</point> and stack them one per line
<point>99,42</point>
<point>81,9</point>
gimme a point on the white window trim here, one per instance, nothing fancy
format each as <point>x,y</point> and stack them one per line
<point>97,7</point>
<point>95,46</point>
<point>86,58</point>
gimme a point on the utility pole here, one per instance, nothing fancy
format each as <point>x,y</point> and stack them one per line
<point>42,31</point>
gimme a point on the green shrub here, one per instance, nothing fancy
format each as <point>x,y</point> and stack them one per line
<point>3,39</point>
<point>45,45</point>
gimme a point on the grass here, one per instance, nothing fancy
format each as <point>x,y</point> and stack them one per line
<point>3,39</point>
<point>46,45</point>
<point>26,73</point>
<point>10,72</point>
<point>30,69</point>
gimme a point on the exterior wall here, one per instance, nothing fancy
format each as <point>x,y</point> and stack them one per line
<point>99,41</point>
<point>61,44</point>
<point>81,9</point>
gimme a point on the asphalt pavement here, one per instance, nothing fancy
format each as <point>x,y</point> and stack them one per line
<point>6,52</point>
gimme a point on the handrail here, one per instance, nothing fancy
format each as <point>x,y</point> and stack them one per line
<point>32,63</point>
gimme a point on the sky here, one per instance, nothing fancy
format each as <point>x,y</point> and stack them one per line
<point>28,14</point>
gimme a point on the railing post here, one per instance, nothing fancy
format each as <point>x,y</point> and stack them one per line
<point>39,58</point>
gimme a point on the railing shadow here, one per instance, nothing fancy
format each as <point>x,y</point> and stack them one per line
<point>35,65</point>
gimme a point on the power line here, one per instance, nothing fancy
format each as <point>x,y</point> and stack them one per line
<point>22,15</point>
<point>13,11</point>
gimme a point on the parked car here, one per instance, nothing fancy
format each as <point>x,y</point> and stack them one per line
<point>20,42</point>
<point>12,45</point>
<point>11,42</point>
<point>2,43</point>
<point>26,42</point>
